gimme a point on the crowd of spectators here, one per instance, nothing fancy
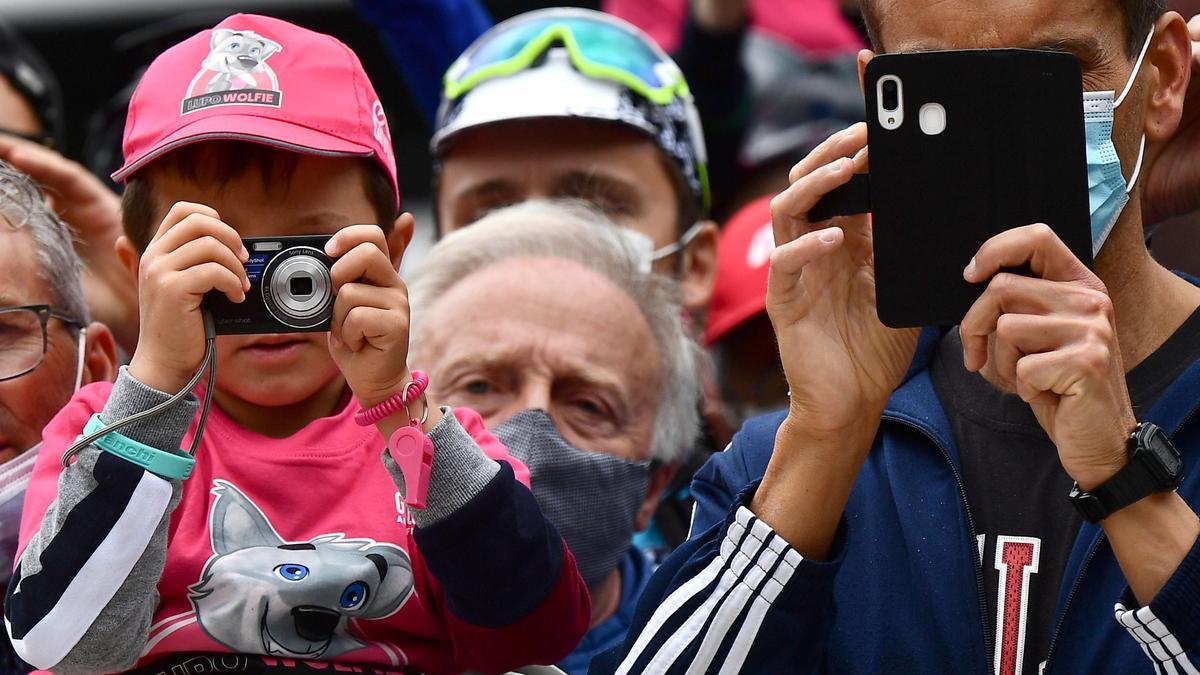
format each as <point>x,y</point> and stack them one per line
<point>632,412</point>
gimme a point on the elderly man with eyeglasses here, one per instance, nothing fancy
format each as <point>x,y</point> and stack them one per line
<point>48,345</point>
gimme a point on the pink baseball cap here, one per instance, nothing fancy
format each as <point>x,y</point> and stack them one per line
<point>743,262</point>
<point>263,80</point>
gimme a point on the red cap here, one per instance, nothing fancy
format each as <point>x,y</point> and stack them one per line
<point>743,261</point>
<point>263,80</point>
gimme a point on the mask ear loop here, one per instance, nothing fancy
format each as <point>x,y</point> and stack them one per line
<point>1137,168</point>
<point>79,363</point>
<point>1137,66</point>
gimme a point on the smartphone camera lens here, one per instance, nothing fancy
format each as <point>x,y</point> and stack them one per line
<point>891,95</point>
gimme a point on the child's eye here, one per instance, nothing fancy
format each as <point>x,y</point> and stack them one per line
<point>292,571</point>
<point>354,595</point>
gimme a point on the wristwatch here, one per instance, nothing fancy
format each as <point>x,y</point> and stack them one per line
<point>1154,466</point>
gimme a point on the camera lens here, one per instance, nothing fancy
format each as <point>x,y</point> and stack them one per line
<point>301,286</point>
<point>297,289</point>
<point>891,95</point>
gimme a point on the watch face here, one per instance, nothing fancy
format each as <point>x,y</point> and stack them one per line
<point>1169,458</point>
<point>1165,455</point>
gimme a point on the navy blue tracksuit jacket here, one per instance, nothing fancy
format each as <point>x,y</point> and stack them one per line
<point>902,591</point>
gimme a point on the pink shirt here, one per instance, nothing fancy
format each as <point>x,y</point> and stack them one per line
<point>323,485</point>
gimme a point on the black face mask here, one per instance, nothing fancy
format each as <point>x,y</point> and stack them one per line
<point>591,497</point>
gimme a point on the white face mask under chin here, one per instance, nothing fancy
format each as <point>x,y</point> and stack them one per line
<point>14,479</point>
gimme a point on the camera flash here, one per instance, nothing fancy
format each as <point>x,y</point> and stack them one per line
<point>267,246</point>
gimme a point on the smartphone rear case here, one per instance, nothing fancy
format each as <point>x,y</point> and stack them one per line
<point>1011,154</point>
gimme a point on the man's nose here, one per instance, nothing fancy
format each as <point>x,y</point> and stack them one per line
<point>535,395</point>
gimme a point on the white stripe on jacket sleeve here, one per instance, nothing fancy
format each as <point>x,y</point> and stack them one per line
<point>753,566</point>
<point>1155,639</point>
<point>52,638</point>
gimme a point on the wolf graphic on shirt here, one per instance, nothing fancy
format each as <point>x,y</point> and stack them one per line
<point>262,594</point>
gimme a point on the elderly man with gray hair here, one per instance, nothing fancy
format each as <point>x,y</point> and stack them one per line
<point>545,319</point>
<point>48,345</point>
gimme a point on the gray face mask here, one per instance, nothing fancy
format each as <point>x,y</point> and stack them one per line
<point>591,497</point>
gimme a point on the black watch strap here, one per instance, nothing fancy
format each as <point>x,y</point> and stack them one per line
<point>1126,486</point>
<point>1144,475</point>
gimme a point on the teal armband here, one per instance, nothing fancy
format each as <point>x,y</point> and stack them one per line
<point>170,465</point>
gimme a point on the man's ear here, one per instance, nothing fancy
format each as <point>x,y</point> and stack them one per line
<point>700,269</point>
<point>660,478</point>
<point>130,259</point>
<point>864,57</point>
<point>99,355</point>
<point>1170,58</point>
<point>400,237</point>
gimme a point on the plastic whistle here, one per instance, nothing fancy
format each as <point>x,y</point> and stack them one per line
<point>412,451</point>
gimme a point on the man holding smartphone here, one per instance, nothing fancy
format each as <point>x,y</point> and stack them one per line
<point>1006,496</point>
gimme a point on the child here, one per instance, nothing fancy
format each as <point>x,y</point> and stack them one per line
<point>290,541</point>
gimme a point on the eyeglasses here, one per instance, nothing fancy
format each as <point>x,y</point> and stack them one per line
<point>24,337</point>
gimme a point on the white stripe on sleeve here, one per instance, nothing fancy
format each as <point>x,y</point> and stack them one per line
<point>758,611</point>
<point>751,570</point>
<point>668,608</point>
<point>740,558</point>
<point>731,608</point>
<point>49,642</point>
<point>1156,640</point>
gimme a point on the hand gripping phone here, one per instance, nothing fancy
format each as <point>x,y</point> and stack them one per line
<point>963,146</point>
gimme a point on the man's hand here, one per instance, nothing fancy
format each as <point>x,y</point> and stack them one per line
<point>1172,175</point>
<point>1053,340</point>
<point>192,253</point>
<point>94,213</point>
<point>841,363</point>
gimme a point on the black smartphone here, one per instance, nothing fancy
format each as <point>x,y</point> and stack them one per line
<point>965,145</point>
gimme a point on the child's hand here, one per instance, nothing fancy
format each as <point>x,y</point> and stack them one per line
<point>192,253</point>
<point>368,336</point>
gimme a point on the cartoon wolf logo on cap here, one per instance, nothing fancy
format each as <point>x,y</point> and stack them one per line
<point>236,55</point>
<point>261,594</point>
<point>235,71</point>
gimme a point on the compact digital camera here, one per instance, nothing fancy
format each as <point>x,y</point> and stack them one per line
<point>290,289</point>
